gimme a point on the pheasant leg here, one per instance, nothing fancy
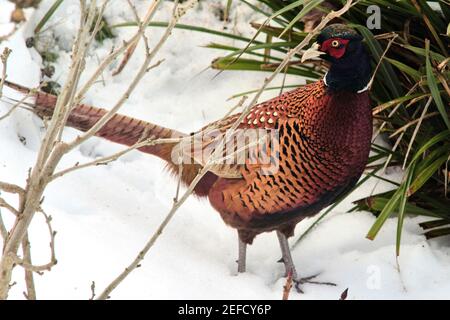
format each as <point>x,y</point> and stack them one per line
<point>242,255</point>
<point>290,267</point>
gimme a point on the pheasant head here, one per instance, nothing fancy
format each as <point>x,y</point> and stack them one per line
<point>350,63</point>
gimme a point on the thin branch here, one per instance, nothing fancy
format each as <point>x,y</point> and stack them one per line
<point>394,36</point>
<point>287,286</point>
<point>30,294</point>
<point>6,205</point>
<point>115,156</point>
<point>20,102</point>
<point>150,12</point>
<point>112,56</point>
<point>11,188</point>
<point>9,34</point>
<point>27,265</point>
<point>3,230</point>
<point>141,72</point>
<point>92,291</point>
<point>4,59</point>
<point>409,124</point>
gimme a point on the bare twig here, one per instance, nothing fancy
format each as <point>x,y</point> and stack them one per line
<point>26,263</point>
<point>115,156</point>
<point>92,291</point>
<point>49,155</point>
<point>3,230</point>
<point>4,59</point>
<point>409,124</point>
<point>149,15</point>
<point>394,36</point>
<point>20,102</point>
<point>6,205</point>
<point>113,55</point>
<point>287,286</point>
<point>30,294</point>
<point>9,34</point>
<point>141,72</point>
<point>11,188</point>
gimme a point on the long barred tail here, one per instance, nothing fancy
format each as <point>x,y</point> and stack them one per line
<point>124,130</point>
<point>120,129</point>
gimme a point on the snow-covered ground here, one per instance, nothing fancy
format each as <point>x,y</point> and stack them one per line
<point>104,215</point>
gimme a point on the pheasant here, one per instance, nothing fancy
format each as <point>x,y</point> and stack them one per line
<point>324,133</point>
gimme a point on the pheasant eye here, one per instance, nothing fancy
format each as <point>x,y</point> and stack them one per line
<point>335,44</point>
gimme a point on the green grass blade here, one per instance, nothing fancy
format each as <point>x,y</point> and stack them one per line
<point>47,16</point>
<point>401,210</point>
<point>416,75</point>
<point>437,233</point>
<point>431,142</point>
<point>426,173</point>
<point>287,8</point>
<point>274,18</point>
<point>307,8</point>
<point>254,65</point>
<point>432,84</point>
<point>235,50</point>
<point>387,211</point>
<point>186,27</point>
<point>378,202</point>
<point>387,73</point>
<point>421,51</point>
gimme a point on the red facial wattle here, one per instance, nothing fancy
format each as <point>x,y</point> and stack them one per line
<point>329,47</point>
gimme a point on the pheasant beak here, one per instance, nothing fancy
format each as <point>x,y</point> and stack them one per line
<point>312,52</point>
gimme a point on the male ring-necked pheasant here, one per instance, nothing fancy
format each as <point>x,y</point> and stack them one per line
<point>324,137</point>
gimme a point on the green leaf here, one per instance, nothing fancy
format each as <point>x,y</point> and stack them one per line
<point>426,174</point>
<point>437,233</point>
<point>401,212</point>
<point>186,27</point>
<point>421,51</point>
<point>276,32</point>
<point>434,224</point>
<point>47,16</point>
<point>416,75</point>
<point>287,8</point>
<point>272,45</point>
<point>432,84</point>
<point>436,139</point>
<point>253,65</point>
<point>378,202</point>
<point>306,8</point>
<point>397,101</point>
<point>236,51</point>
<point>387,211</point>
<point>272,17</point>
<point>387,73</point>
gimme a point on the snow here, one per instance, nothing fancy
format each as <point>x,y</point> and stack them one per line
<point>104,215</point>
